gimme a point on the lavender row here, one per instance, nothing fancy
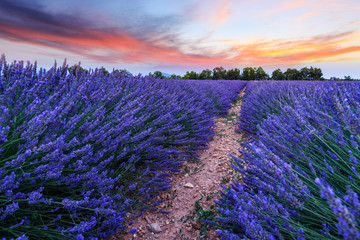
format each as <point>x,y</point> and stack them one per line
<point>263,98</point>
<point>79,149</point>
<point>301,171</point>
<point>220,93</point>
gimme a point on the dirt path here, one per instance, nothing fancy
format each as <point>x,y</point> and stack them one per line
<point>194,191</point>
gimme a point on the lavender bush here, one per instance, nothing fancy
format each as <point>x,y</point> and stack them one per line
<point>80,148</point>
<point>219,93</point>
<point>263,98</point>
<point>301,171</point>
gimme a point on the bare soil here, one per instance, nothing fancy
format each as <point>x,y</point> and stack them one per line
<point>194,189</point>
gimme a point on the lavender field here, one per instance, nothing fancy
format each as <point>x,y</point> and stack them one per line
<point>300,166</point>
<point>79,149</point>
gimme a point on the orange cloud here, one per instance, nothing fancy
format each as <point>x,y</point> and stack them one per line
<point>293,52</point>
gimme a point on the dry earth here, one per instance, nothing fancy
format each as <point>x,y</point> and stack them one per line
<point>198,184</point>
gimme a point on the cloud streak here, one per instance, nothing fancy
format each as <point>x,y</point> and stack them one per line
<point>283,51</point>
<point>222,14</point>
<point>285,7</point>
<point>314,13</point>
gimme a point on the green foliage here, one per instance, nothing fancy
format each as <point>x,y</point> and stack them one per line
<point>158,74</point>
<point>174,76</point>
<point>233,74</point>
<point>345,78</point>
<point>219,73</point>
<point>305,73</point>
<point>249,73</point>
<point>76,69</point>
<point>191,75</point>
<point>292,74</point>
<point>260,74</point>
<point>253,73</point>
<point>201,218</point>
<point>310,73</point>
<point>104,70</point>
<point>278,75</point>
<point>123,72</point>
<point>206,74</point>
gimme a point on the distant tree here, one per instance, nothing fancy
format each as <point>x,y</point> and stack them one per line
<point>252,73</point>
<point>174,76</point>
<point>205,74</point>
<point>248,73</point>
<point>346,78</point>
<point>76,70</point>
<point>316,73</point>
<point>260,74</point>
<point>104,70</point>
<point>158,74</point>
<point>123,72</point>
<point>278,75</point>
<point>233,74</point>
<point>292,74</point>
<point>191,75</point>
<point>305,74</point>
<point>311,73</point>
<point>219,73</point>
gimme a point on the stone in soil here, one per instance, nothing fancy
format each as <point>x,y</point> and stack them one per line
<point>154,227</point>
<point>189,185</point>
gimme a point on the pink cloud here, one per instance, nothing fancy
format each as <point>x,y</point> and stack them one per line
<point>286,5</point>
<point>314,13</point>
<point>222,13</point>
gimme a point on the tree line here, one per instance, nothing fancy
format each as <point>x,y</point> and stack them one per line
<point>250,73</point>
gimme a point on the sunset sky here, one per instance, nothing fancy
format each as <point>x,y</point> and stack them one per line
<point>143,36</point>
